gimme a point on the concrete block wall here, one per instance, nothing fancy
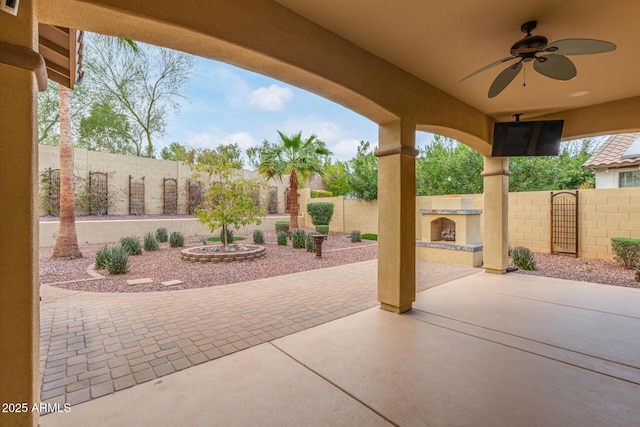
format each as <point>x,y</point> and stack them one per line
<point>119,168</point>
<point>529,224</point>
<point>361,215</point>
<point>607,213</point>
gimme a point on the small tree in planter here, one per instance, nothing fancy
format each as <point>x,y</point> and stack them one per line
<point>229,198</point>
<point>321,213</point>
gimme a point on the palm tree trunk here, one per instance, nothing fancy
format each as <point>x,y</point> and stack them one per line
<point>66,241</point>
<point>293,197</point>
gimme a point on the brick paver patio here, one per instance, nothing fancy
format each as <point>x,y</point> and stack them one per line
<point>93,344</point>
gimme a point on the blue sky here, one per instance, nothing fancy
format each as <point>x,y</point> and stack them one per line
<point>231,105</point>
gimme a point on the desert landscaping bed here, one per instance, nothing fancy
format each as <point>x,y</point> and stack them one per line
<point>606,272</point>
<point>165,265</point>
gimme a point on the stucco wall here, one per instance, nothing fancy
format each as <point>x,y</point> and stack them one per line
<point>112,230</point>
<point>610,178</point>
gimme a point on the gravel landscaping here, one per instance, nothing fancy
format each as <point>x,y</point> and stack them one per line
<point>606,272</point>
<point>165,265</point>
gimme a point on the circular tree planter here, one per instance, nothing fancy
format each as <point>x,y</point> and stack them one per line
<point>218,253</point>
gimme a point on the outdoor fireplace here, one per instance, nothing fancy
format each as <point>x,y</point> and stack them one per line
<point>451,232</point>
<point>443,230</point>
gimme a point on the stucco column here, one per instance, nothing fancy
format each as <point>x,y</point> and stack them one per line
<point>19,309</point>
<point>495,214</point>
<point>396,216</point>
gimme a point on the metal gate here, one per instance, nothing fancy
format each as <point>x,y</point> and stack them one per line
<point>170,192</point>
<point>564,223</point>
<point>136,196</point>
<point>98,193</point>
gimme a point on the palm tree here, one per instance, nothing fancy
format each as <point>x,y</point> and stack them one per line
<point>67,240</point>
<point>297,157</point>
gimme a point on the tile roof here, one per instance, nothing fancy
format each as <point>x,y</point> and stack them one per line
<point>611,152</point>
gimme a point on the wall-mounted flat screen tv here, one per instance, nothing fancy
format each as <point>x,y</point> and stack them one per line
<point>531,138</point>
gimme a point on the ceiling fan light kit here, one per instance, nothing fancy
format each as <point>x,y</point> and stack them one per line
<point>548,59</point>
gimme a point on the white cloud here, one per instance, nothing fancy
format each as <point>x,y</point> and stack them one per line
<point>214,137</point>
<point>344,149</point>
<point>342,143</point>
<point>272,98</point>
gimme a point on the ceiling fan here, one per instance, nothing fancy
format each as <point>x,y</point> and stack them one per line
<point>551,63</point>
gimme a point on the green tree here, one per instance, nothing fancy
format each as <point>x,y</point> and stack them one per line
<point>336,178</point>
<point>106,130</point>
<point>176,152</point>
<point>563,172</point>
<point>364,173</point>
<point>531,173</point>
<point>142,85</point>
<point>49,112</point>
<point>229,198</point>
<point>295,156</point>
<point>448,167</point>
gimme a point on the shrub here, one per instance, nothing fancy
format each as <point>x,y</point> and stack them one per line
<point>230,237</point>
<point>103,256</point>
<point>626,251</point>
<point>176,239</point>
<point>523,258</point>
<point>298,238</point>
<point>282,238</point>
<point>150,242</point>
<point>356,236</point>
<point>320,193</point>
<point>310,243</point>
<point>637,276</point>
<point>322,229</point>
<point>320,212</point>
<point>258,236</point>
<point>118,260</point>
<point>131,245</point>
<point>162,234</point>
<point>368,236</point>
<point>282,226</point>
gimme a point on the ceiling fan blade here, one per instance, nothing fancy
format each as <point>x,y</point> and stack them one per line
<point>555,66</point>
<point>493,64</point>
<point>579,47</point>
<point>504,78</point>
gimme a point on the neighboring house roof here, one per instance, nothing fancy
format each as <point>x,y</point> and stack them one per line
<point>618,151</point>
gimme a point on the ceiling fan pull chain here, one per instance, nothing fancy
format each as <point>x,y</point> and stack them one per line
<point>524,76</point>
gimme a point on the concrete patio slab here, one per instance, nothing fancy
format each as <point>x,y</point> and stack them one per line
<point>477,351</point>
<point>260,386</point>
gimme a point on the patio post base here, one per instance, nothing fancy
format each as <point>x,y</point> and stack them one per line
<point>394,309</point>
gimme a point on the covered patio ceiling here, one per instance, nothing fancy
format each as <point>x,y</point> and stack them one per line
<point>442,42</point>
<point>402,59</point>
